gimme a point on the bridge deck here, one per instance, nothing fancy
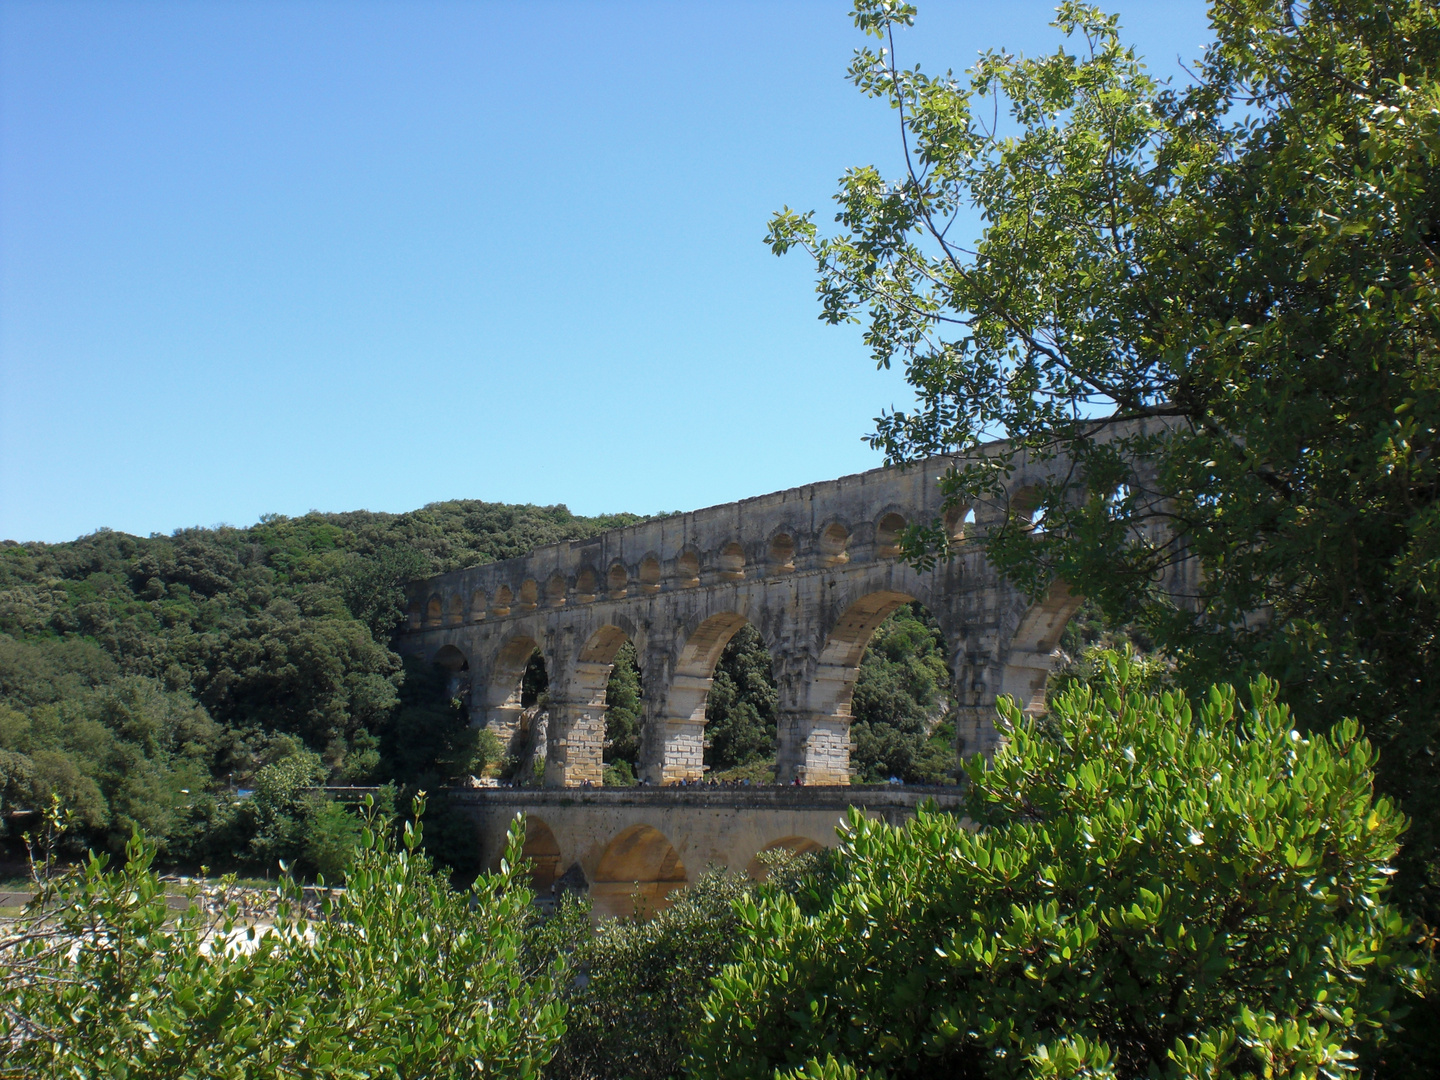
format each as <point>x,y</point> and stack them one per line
<point>759,797</point>
<point>634,845</point>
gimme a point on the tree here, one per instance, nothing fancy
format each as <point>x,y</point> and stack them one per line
<point>645,980</point>
<point>1246,266</point>
<point>1147,890</point>
<point>143,678</point>
<point>623,714</point>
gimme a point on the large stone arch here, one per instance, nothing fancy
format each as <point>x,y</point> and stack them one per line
<point>1016,662</point>
<point>501,707</point>
<point>814,736</point>
<point>456,663</point>
<point>675,738</point>
<point>1035,647</point>
<point>577,727</point>
<point>638,869</point>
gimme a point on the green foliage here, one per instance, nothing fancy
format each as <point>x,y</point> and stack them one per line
<point>1245,262</point>
<point>423,738</point>
<point>644,980</point>
<point>129,754</point>
<point>620,774</point>
<point>623,713</point>
<point>740,711</point>
<point>278,813</point>
<point>760,771</point>
<point>142,678</point>
<point>901,697</point>
<point>331,833</point>
<point>1148,890</point>
<point>98,983</point>
<point>489,752</point>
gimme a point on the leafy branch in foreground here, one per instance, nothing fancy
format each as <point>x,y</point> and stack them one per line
<point>398,974</point>
<point>1152,890</point>
<point>1245,267</point>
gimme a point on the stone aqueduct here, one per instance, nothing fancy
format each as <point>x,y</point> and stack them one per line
<point>815,569</point>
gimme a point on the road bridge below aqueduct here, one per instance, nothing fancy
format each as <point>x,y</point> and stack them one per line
<point>815,569</point>
<point>630,847</point>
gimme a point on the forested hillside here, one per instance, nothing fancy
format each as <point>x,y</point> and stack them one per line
<point>145,680</point>
<point>140,678</point>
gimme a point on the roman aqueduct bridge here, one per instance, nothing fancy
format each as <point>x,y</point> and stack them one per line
<point>815,569</point>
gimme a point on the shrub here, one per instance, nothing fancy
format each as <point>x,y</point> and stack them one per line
<point>618,773</point>
<point>643,981</point>
<point>1151,890</point>
<point>399,976</point>
<point>331,833</point>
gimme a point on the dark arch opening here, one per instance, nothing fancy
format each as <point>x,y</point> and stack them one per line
<point>1028,510</point>
<point>529,595</point>
<point>888,532</point>
<point>833,544</point>
<point>452,659</point>
<point>515,699</point>
<point>732,562</point>
<point>555,590</point>
<point>782,553</point>
<point>535,681</point>
<point>542,851</point>
<point>959,523</point>
<point>617,581</point>
<point>687,570</point>
<point>586,585</point>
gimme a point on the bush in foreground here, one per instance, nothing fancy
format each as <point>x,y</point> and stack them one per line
<point>399,975</point>
<point>643,980</point>
<point>1151,891</point>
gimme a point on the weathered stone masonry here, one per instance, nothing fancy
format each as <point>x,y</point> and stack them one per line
<point>623,845</point>
<point>814,569</point>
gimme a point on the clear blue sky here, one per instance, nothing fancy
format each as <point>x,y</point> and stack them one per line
<point>267,257</point>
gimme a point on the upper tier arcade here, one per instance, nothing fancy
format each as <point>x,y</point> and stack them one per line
<point>815,569</point>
